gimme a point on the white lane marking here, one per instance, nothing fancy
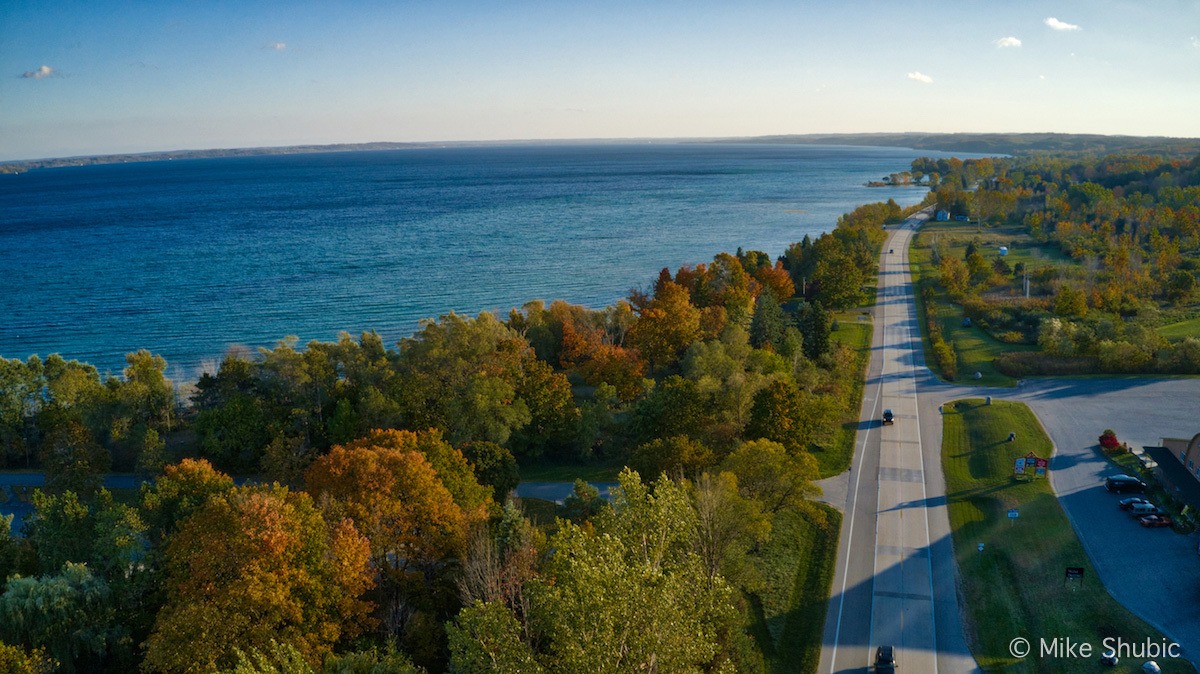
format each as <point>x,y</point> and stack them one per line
<point>912,307</point>
<point>850,536</point>
<point>854,507</point>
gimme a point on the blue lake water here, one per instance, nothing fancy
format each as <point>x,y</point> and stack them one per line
<point>186,258</point>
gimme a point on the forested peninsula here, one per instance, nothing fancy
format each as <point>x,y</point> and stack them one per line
<point>345,505</point>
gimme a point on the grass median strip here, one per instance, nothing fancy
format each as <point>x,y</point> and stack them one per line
<point>1015,587</point>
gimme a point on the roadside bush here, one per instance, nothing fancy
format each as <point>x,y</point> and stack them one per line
<point>947,360</point>
<point>1022,364</point>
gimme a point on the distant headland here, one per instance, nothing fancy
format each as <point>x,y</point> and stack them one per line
<point>979,143</point>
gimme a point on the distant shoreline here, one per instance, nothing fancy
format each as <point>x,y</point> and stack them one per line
<point>975,143</point>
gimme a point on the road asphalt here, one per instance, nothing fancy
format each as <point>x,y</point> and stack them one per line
<point>894,583</point>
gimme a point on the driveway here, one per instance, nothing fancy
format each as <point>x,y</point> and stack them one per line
<point>558,491</point>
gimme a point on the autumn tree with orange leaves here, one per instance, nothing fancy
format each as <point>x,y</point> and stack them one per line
<point>253,566</point>
<point>415,498</point>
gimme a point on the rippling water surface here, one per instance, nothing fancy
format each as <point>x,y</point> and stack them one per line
<point>186,258</point>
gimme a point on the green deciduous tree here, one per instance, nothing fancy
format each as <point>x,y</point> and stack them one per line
<point>487,638</point>
<point>463,375</point>
<point>767,473</point>
<point>69,613</point>
<point>728,526</point>
<point>675,456</point>
<point>73,460</point>
<point>633,596</point>
<point>494,466</point>
<point>795,418</point>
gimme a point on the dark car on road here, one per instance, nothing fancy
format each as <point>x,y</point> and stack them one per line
<point>888,417</point>
<point>1119,484</point>
<point>885,660</point>
<point>1129,503</point>
<point>1154,521</point>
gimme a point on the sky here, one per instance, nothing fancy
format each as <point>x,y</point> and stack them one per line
<point>99,76</point>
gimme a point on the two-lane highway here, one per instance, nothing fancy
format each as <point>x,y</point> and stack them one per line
<point>894,582</point>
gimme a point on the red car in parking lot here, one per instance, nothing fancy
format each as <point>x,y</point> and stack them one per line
<point>1155,521</point>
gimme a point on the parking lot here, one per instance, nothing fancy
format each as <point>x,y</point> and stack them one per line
<point>1153,572</point>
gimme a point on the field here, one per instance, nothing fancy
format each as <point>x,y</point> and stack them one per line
<point>1175,331</point>
<point>1016,587</point>
<point>976,348</point>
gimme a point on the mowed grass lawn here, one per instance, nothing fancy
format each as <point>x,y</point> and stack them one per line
<point>1015,587</point>
<point>1174,331</point>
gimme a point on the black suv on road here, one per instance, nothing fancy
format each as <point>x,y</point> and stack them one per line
<point>888,417</point>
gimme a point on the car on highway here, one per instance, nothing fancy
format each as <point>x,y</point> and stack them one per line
<point>885,660</point>
<point>1154,521</point>
<point>1119,484</point>
<point>1128,503</point>
<point>888,416</point>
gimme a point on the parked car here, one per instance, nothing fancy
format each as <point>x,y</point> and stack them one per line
<point>885,660</point>
<point>888,417</point>
<point>1143,509</point>
<point>1119,484</point>
<point>1128,503</point>
<point>1154,521</point>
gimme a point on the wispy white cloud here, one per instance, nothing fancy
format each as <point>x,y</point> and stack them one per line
<point>39,74</point>
<point>277,46</point>
<point>1009,41</point>
<point>920,77</point>
<point>1196,42</point>
<point>1060,25</point>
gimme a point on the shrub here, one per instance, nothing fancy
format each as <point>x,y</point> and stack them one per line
<point>1011,337</point>
<point>1108,439</point>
